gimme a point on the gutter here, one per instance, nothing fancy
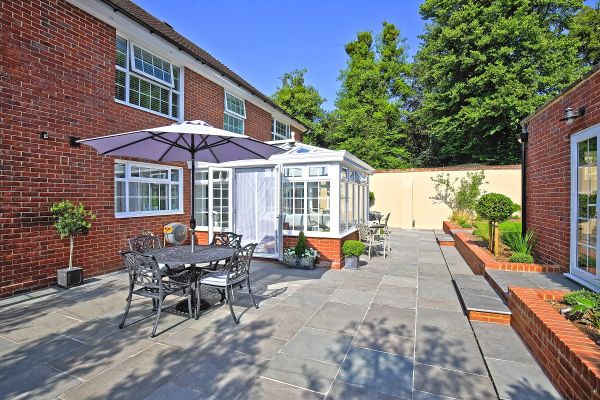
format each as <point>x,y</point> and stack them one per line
<point>523,139</point>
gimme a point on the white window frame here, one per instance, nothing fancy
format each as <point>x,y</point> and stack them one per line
<point>277,136</point>
<point>305,179</point>
<point>203,182</point>
<point>128,179</point>
<point>131,61</point>
<point>234,114</point>
<point>128,70</point>
<point>359,210</point>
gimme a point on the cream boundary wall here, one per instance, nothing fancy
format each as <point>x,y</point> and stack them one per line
<point>406,194</point>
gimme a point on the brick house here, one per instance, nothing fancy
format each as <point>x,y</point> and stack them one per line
<point>84,68</point>
<point>561,184</point>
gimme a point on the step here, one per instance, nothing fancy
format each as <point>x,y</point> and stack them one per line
<point>445,240</point>
<point>455,262</point>
<point>539,280</point>
<point>480,301</point>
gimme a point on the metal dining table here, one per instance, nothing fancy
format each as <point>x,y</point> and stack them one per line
<point>176,257</point>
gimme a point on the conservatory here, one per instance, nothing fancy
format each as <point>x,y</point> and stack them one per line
<point>324,193</point>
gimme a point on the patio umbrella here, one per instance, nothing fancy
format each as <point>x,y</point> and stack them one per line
<point>185,141</point>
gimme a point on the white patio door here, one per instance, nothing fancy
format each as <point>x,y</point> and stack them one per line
<point>220,205</point>
<point>584,206</point>
<point>256,209</point>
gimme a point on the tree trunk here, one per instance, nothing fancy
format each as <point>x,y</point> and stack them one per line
<point>71,242</point>
<point>496,240</point>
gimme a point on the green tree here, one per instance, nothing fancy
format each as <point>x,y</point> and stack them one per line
<point>303,102</point>
<point>483,66</point>
<point>369,119</point>
<point>585,27</point>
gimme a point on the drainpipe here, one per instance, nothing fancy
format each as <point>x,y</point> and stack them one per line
<point>523,140</point>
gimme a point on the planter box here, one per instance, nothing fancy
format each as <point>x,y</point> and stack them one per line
<point>351,262</point>
<point>570,359</point>
<point>479,259</point>
<point>299,262</point>
<point>67,278</point>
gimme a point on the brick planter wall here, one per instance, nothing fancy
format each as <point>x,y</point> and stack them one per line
<point>569,358</point>
<point>330,249</point>
<point>479,259</point>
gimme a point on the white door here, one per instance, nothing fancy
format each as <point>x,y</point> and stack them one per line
<point>220,205</point>
<point>256,210</point>
<point>584,206</point>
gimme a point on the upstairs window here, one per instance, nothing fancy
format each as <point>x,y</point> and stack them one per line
<point>281,131</point>
<point>235,113</point>
<point>145,80</point>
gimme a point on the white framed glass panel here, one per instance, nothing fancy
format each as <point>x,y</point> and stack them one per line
<point>233,124</point>
<point>587,190</point>
<point>220,186</point>
<point>235,105</point>
<point>292,172</point>
<point>145,63</point>
<point>280,130</point>
<point>293,206</point>
<point>318,171</point>
<point>147,189</point>
<point>343,205</point>
<point>319,212</point>
<point>201,198</point>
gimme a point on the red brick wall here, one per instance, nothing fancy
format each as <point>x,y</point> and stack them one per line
<point>330,250</point>
<point>57,68</point>
<point>204,99</point>
<point>569,358</point>
<point>258,122</point>
<point>549,168</point>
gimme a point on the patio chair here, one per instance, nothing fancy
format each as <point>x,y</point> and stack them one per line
<point>386,231</point>
<point>233,273</point>
<point>143,243</point>
<point>228,239</point>
<point>146,279</point>
<point>370,238</point>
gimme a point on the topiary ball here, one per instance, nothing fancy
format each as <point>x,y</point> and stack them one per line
<point>494,207</point>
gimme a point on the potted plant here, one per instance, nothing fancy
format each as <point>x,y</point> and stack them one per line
<point>71,220</point>
<point>300,256</point>
<point>352,249</point>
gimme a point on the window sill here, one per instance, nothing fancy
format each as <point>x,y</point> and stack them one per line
<point>147,214</point>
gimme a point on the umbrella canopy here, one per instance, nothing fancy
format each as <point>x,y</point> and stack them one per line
<point>185,141</point>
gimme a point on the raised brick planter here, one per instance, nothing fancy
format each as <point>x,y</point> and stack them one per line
<point>479,259</point>
<point>570,359</point>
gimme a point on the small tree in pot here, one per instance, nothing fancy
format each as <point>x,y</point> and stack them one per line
<point>495,208</point>
<point>71,220</point>
<point>352,249</point>
<point>300,256</point>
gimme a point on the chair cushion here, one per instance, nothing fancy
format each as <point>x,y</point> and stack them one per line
<point>218,278</point>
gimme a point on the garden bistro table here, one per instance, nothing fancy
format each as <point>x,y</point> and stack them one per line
<point>176,257</point>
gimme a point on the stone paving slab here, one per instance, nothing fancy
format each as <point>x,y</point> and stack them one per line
<point>519,381</point>
<point>551,281</point>
<point>319,345</point>
<point>478,295</point>
<point>301,372</point>
<point>454,384</point>
<point>501,342</point>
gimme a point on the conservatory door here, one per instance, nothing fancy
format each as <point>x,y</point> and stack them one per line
<point>256,211</point>
<point>219,200</point>
<point>584,203</point>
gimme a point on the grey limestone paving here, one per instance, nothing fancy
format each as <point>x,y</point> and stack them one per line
<point>393,329</point>
<point>504,279</point>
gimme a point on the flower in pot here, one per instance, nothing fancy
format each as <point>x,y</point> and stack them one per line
<point>71,220</point>
<point>352,249</point>
<point>300,256</point>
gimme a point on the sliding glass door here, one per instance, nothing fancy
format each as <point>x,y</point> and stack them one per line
<point>584,205</point>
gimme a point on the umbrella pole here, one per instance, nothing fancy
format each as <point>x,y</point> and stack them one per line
<point>193,191</point>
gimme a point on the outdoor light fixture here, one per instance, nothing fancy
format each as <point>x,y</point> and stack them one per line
<point>44,135</point>
<point>73,141</point>
<point>571,114</point>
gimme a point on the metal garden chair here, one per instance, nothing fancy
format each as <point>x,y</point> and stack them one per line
<point>143,243</point>
<point>233,273</point>
<point>146,279</point>
<point>370,238</point>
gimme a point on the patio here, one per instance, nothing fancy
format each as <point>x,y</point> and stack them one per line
<point>392,329</point>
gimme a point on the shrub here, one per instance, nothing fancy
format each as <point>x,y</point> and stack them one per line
<point>518,243</point>
<point>521,258</point>
<point>71,220</point>
<point>353,248</point>
<point>495,208</point>
<point>300,247</point>
<point>458,195</point>
<point>482,230</point>
<point>371,198</point>
<point>462,218</point>
<point>576,296</point>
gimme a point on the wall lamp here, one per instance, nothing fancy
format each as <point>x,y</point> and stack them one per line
<point>571,114</point>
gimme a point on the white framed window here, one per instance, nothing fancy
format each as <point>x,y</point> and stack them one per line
<point>280,130</point>
<point>353,191</point>
<point>235,113</point>
<point>146,81</point>
<point>306,199</point>
<point>147,189</point>
<point>201,198</point>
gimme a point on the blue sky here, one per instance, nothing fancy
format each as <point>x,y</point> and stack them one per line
<point>260,40</point>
